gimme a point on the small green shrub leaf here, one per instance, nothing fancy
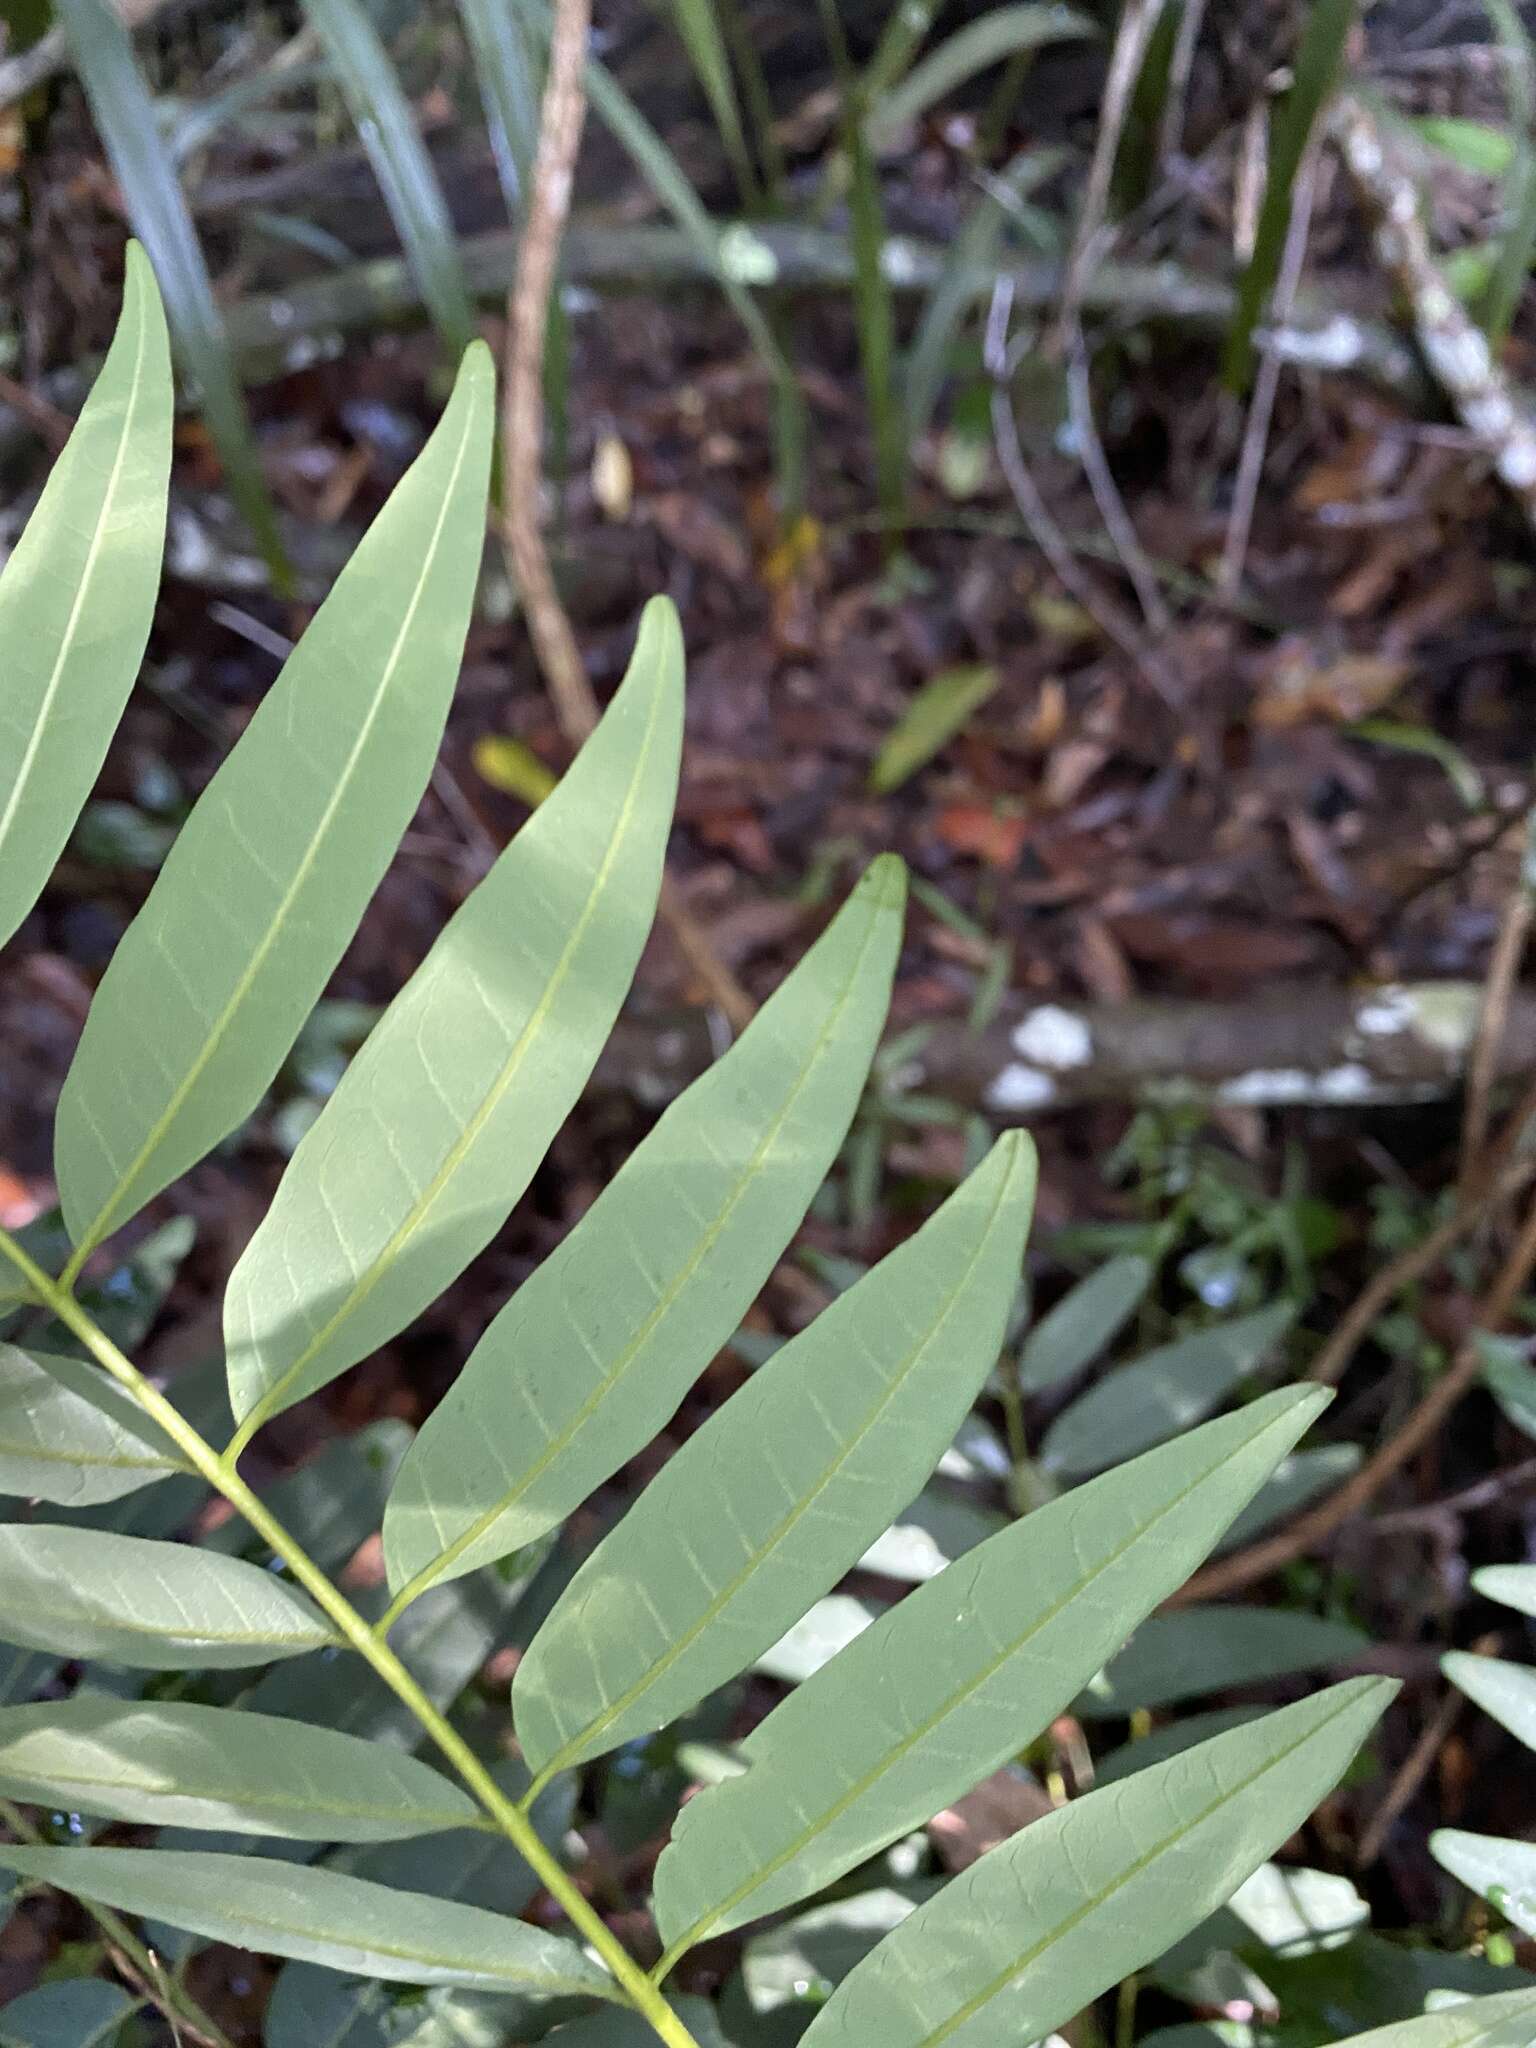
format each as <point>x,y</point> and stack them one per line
<point>1141,1404</point>
<point>1499,1870</point>
<point>1507,2020</point>
<point>78,594</point>
<point>938,711</point>
<point>766,1506</point>
<point>74,2012</point>
<point>1512,1585</point>
<point>440,1121</point>
<point>1506,1691</point>
<point>70,1435</point>
<point>1083,1323</point>
<point>1205,1649</point>
<point>270,874</point>
<point>968,1670</point>
<point>1035,1930</point>
<point>321,1916</point>
<point>171,1763</point>
<point>596,1349</point>
<point>158,1606</point>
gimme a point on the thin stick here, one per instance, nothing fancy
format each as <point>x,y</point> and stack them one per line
<point>1411,1774</point>
<point>1181,66</point>
<point>132,1958</point>
<point>1503,967</point>
<point>1138,21</point>
<point>1230,1574</point>
<point>561,117</point>
<point>1106,492</point>
<point>1033,510</point>
<point>1261,408</point>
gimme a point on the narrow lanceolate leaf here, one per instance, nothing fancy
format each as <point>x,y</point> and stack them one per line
<point>594,1352</point>
<point>77,597</point>
<point>1205,1649</point>
<point>440,1121</point>
<point>1032,1933</point>
<point>786,1486</point>
<point>1512,1585</point>
<point>1180,1383</point>
<point>171,1763</point>
<point>161,1606</point>
<point>1498,1869</point>
<point>321,1916</point>
<point>270,874</point>
<point>71,2012</point>
<point>1082,1323</point>
<point>1505,2021</point>
<point>70,1435</point>
<point>959,1677</point>
<point>1507,1691</point>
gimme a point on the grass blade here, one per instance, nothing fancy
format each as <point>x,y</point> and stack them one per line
<point>78,594</point>
<point>125,117</point>
<point>400,162</point>
<point>509,92</point>
<point>992,38</point>
<point>596,1349</point>
<point>267,880</point>
<point>778,1495</point>
<point>172,1764</point>
<point>439,1123</point>
<point>968,1671</point>
<point>321,1916</point>
<point>1032,1933</point>
<point>699,32</point>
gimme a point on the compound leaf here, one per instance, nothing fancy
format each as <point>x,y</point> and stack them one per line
<point>70,1435</point>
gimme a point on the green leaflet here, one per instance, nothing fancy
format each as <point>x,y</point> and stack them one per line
<point>1082,1323</point>
<point>1204,1649</point>
<point>1505,2021</point>
<point>73,2012</point>
<point>1028,1936</point>
<point>78,594</point>
<point>320,1916</point>
<point>440,1121</point>
<point>780,1492</point>
<point>1506,1691</point>
<point>171,1763</point>
<point>159,1606</point>
<point>1512,1585</point>
<point>967,1671</point>
<point>270,874</point>
<point>596,1349</point>
<point>1141,1404</point>
<point>70,1435</point>
<point>1499,1870</point>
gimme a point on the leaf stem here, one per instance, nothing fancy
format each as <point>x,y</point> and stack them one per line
<point>631,1980</point>
<point>146,1972</point>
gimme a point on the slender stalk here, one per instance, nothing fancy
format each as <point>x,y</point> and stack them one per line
<point>220,1473</point>
<point>140,1966</point>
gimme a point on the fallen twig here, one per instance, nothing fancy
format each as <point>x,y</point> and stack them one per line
<point>1106,492</point>
<point>1454,347</point>
<point>1503,967</point>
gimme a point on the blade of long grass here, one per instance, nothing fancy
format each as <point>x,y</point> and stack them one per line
<point>125,118</point>
<point>387,127</point>
<point>1317,67</point>
<point>990,39</point>
<point>699,32</point>
<point>509,92</point>
<point>1517,244</point>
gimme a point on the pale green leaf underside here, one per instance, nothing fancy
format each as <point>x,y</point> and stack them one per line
<point>1506,1691</point>
<point>439,1123</point>
<point>785,1487</point>
<point>599,1345</point>
<point>1507,2020</point>
<point>159,1606</point>
<point>1497,1869</point>
<point>78,594</point>
<point>171,1763</point>
<point>1512,1585</point>
<point>959,1676</point>
<point>268,878</point>
<point>1145,1403</point>
<point>1205,1649</point>
<point>70,1435</point>
<point>321,1916</point>
<point>70,2012</point>
<point>1028,1936</point>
